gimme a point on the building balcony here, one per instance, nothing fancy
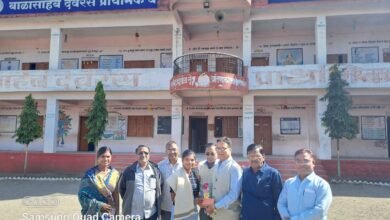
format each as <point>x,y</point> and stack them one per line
<point>373,75</point>
<point>151,79</point>
<point>205,74</point>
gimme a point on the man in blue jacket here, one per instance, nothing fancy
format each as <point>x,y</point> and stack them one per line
<point>261,186</point>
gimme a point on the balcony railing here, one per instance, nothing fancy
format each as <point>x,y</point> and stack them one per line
<point>208,62</point>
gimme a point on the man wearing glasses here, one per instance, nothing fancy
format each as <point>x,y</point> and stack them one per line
<point>226,184</point>
<point>261,186</point>
<point>305,196</point>
<point>140,187</point>
<point>167,167</point>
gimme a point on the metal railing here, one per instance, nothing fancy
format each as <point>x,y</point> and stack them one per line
<point>208,62</point>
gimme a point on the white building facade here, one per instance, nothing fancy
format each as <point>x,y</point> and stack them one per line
<point>195,70</point>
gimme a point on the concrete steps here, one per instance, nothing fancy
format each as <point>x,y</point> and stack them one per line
<point>286,166</point>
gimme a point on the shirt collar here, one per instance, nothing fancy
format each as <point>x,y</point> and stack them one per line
<point>225,161</point>
<point>309,177</point>
<point>138,168</point>
<point>210,165</point>
<point>262,169</point>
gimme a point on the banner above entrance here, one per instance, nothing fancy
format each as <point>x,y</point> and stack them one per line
<point>8,7</point>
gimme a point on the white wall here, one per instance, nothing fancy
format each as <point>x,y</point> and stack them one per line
<point>37,49</point>
<point>230,43</point>
<point>357,147</point>
<point>7,142</point>
<point>283,144</point>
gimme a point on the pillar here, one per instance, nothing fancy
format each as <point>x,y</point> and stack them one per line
<point>248,122</point>
<point>321,49</point>
<point>177,117</point>
<point>55,49</point>
<point>324,151</point>
<point>51,125</point>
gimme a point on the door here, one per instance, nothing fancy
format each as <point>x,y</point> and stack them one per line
<point>198,65</point>
<point>263,133</point>
<point>83,130</point>
<point>388,135</point>
<point>198,134</point>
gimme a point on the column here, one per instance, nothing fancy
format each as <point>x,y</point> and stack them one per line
<point>321,49</point>
<point>177,41</point>
<point>176,126</point>
<point>248,122</point>
<point>51,125</point>
<point>55,49</point>
<point>247,43</point>
<point>324,151</point>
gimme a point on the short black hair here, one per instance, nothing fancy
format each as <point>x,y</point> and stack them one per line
<point>170,143</point>
<point>305,150</point>
<point>102,150</point>
<point>252,147</point>
<point>141,145</point>
<point>225,140</point>
<point>187,153</point>
<point>208,145</point>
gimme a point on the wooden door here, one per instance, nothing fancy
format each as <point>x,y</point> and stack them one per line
<point>263,133</point>
<point>260,61</point>
<point>198,65</point>
<point>90,64</point>
<point>83,130</point>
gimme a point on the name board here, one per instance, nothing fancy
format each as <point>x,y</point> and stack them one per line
<point>285,1</point>
<point>8,7</point>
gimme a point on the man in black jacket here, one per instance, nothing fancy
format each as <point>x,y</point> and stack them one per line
<point>140,187</point>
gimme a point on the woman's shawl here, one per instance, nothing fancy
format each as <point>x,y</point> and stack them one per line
<point>95,191</point>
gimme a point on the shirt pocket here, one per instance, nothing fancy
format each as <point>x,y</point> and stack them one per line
<point>153,182</point>
<point>309,197</point>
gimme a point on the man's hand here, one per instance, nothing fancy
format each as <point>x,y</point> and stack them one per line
<point>210,209</point>
<point>106,208</point>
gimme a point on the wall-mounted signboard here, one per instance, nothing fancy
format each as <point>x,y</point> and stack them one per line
<point>8,7</point>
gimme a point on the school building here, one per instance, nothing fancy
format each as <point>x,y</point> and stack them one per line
<point>195,70</point>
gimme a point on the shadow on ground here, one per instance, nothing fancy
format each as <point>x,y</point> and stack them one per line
<point>360,190</point>
<point>17,189</point>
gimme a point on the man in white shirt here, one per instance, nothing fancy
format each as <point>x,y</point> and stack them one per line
<point>140,187</point>
<point>167,167</point>
<point>226,184</point>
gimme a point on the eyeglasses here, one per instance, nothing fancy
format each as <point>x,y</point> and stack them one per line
<point>210,154</point>
<point>141,153</point>
<point>221,148</point>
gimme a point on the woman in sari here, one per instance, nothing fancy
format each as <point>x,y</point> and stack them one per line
<point>98,193</point>
<point>185,186</point>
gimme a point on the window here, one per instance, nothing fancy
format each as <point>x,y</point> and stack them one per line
<point>164,125</point>
<point>226,126</point>
<point>386,55</point>
<point>356,118</point>
<point>35,66</point>
<point>139,64</point>
<point>337,58</point>
<point>140,126</point>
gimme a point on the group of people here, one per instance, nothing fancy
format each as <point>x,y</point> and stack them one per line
<point>216,188</point>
